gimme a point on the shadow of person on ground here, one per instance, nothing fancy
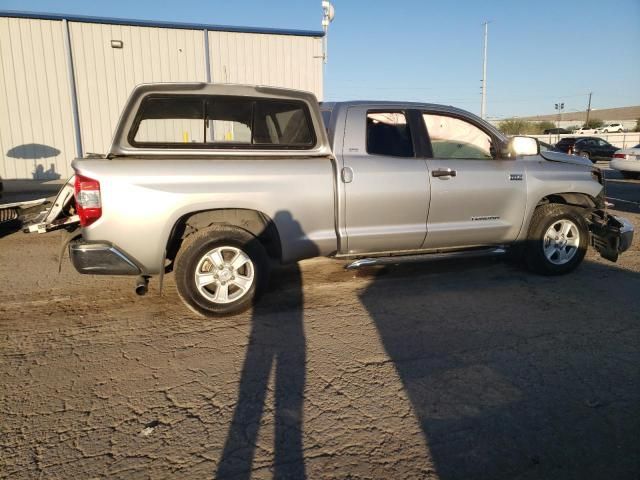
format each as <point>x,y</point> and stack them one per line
<point>276,343</point>
<point>516,375</point>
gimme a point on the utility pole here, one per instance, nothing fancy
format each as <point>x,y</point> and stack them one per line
<point>483,105</point>
<point>586,124</point>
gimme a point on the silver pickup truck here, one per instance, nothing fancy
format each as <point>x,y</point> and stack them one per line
<point>217,182</point>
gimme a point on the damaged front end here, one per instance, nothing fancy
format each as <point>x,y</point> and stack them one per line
<point>610,235</point>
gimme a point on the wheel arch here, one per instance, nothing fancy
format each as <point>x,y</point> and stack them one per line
<point>575,199</point>
<point>255,222</point>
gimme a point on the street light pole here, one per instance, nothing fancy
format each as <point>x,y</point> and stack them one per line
<point>483,105</point>
<point>559,108</point>
<point>328,12</point>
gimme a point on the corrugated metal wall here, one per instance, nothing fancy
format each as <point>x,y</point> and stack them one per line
<point>36,130</point>
<point>36,120</point>
<point>267,60</point>
<point>105,76</point>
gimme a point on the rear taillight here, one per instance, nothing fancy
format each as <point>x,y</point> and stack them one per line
<point>88,202</point>
<point>620,155</point>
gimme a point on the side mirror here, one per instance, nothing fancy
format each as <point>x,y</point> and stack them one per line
<point>518,146</point>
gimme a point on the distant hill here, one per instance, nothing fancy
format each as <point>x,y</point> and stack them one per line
<point>606,114</point>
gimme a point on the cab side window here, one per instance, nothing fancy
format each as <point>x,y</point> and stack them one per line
<point>388,134</point>
<point>455,138</point>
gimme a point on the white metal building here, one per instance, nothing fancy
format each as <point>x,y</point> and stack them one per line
<point>64,79</point>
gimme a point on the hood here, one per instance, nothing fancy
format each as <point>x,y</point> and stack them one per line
<point>554,156</point>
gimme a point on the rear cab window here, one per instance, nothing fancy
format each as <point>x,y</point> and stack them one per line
<point>210,121</point>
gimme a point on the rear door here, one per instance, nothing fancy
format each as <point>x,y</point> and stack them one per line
<point>476,199</point>
<point>385,182</point>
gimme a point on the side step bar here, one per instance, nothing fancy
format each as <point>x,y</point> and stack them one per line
<point>394,260</point>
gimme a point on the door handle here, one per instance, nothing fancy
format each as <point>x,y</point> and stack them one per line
<point>443,173</point>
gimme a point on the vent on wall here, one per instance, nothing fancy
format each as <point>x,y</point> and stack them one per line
<point>116,43</point>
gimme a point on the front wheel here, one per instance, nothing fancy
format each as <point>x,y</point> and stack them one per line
<point>558,240</point>
<point>221,270</point>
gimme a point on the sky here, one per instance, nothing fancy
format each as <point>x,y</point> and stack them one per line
<point>539,53</point>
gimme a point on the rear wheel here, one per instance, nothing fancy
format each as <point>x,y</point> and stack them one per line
<point>221,270</point>
<point>585,155</point>
<point>558,240</point>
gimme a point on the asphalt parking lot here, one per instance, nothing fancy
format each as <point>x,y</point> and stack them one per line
<point>451,370</point>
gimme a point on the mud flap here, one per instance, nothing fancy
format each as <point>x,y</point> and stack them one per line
<point>610,235</point>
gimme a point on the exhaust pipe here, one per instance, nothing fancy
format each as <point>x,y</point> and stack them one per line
<point>142,285</point>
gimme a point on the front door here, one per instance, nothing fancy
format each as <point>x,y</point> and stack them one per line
<point>386,187</point>
<point>476,199</point>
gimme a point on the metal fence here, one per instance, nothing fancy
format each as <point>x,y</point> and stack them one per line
<point>622,140</point>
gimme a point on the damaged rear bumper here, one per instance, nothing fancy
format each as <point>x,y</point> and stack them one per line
<point>101,258</point>
<point>610,235</point>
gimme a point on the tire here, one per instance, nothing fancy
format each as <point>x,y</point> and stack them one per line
<point>209,255</point>
<point>585,155</point>
<point>544,255</point>
<point>8,214</point>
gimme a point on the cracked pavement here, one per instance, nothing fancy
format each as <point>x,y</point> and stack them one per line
<point>451,370</point>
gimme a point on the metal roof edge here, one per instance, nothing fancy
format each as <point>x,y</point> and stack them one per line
<point>157,23</point>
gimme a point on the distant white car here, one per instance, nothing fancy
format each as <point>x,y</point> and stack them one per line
<point>627,161</point>
<point>611,128</point>
<point>586,131</point>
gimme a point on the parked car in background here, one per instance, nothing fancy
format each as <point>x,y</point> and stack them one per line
<point>586,131</point>
<point>565,145</point>
<point>556,131</point>
<point>611,128</point>
<point>594,148</point>
<point>627,161</point>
